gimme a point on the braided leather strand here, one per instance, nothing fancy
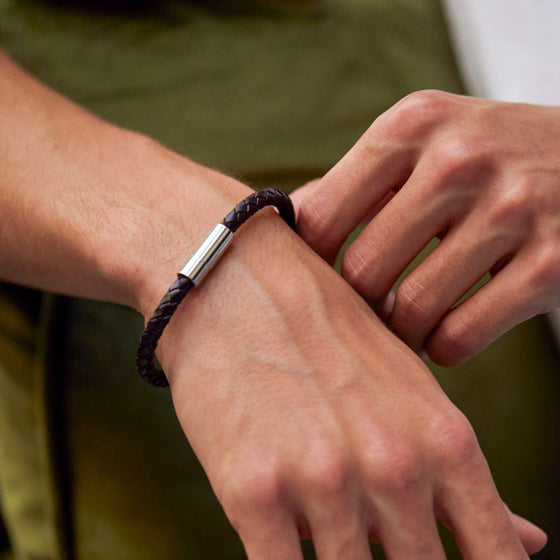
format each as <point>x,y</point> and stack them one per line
<point>145,354</point>
<point>255,202</point>
<point>154,329</point>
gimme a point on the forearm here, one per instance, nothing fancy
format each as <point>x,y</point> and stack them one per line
<point>92,210</point>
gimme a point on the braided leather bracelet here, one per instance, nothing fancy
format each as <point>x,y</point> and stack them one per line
<point>196,269</point>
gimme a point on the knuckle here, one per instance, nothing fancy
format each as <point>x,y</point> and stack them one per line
<point>459,159</point>
<point>416,110</point>
<point>425,102</point>
<point>327,475</point>
<point>262,490</point>
<point>251,487</point>
<point>545,273</point>
<point>453,441</point>
<point>413,301</point>
<point>513,207</point>
<point>397,469</point>
<point>356,270</point>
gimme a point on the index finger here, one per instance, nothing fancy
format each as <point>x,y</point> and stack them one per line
<point>333,207</point>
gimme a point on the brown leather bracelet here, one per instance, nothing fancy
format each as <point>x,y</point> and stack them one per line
<point>196,269</point>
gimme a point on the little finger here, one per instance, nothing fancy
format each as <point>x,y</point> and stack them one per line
<point>449,272</point>
<point>503,302</point>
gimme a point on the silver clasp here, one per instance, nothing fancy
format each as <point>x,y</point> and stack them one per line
<point>208,254</point>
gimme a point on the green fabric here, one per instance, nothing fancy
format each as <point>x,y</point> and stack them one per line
<point>21,460</point>
<point>92,461</point>
<point>286,87</point>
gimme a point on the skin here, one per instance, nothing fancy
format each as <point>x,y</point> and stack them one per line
<point>310,418</point>
<point>483,177</point>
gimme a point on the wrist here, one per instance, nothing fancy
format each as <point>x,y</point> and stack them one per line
<point>270,291</point>
<point>171,203</point>
<point>260,282</point>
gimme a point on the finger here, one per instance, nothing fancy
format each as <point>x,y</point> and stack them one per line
<point>300,193</point>
<point>390,242</point>
<point>271,539</point>
<point>465,497</point>
<point>338,529</point>
<point>336,541</point>
<point>505,301</point>
<point>411,533</point>
<point>463,257</point>
<point>481,523</point>
<point>349,192</point>
<point>468,502</point>
<point>532,537</point>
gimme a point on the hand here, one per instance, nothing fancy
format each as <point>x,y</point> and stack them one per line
<point>312,420</point>
<point>482,176</point>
